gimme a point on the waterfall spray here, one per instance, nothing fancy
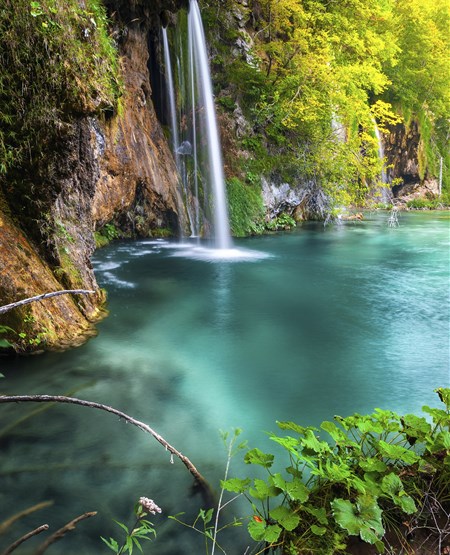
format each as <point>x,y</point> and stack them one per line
<point>385,191</point>
<point>176,147</point>
<point>214,165</point>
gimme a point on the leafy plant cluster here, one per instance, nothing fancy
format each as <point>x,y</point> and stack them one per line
<point>424,203</point>
<point>371,474</point>
<point>141,530</point>
<point>105,235</point>
<point>245,208</point>
<point>57,62</point>
<point>315,76</point>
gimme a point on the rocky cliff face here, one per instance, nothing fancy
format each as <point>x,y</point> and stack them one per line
<point>114,169</point>
<point>406,162</point>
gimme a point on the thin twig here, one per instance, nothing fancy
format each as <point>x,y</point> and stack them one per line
<point>10,306</point>
<point>11,520</point>
<point>24,538</point>
<point>62,532</point>
<point>200,481</point>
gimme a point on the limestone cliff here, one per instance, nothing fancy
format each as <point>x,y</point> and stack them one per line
<point>108,166</point>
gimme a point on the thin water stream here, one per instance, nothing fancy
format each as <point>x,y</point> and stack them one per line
<point>326,321</point>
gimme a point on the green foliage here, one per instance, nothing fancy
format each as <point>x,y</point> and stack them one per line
<point>315,77</point>
<point>245,208</point>
<point>57,61</point>
<point>282,222</point>
<point>105,235</point>
<point>134,535</point>
<point>424,203</point>
<point>373,472</point>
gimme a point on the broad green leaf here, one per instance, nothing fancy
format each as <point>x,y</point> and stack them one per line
<point>291,426</point>
<point>338,435</point>
<point>441,442</point>
<point>406,503</point>
<point>368,535</point>
<point>260,531</point>
<point>438,415</point>
<point>285,517</point>
<point>318,530</point>
<point>397,453</point>
<point>256,456</point>
<point>263,490</point>
<point>367,425</point>
<point>372,465</point>
<point>297,490</point>
<point>391,484</point>
<point>337,473</point>
<point>4,343</point>
<point>272,533</point>
<point>417,426</point>
<point>235,485</point>
<point>278,481</point>
<point>345,515</point>
<point>311,442</point>
<point>257,530</point>
<point>363,518</point>
<point>289,443</point>
<point>319,513</point>
<point>444,395</point>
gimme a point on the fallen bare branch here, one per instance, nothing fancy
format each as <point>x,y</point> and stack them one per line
<point>62,532</point>
<point>11,520</point>
<point>24,538</point>
<point>200,482</point>
<point>10,306</point>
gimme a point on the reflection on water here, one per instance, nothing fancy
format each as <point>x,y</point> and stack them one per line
<point>323,321</point>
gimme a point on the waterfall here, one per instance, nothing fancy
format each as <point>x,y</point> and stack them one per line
<point>385,189</point>
<point>195,133</point>
<point>176,147</point>
<point>208,125</point>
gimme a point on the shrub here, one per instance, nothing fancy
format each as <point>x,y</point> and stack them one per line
<point>372,473</point>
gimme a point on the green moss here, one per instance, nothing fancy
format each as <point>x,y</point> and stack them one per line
<point>245,208</point>
<point>162,232</point>
<point>67,272</point>
<point>57,62</point>
<point>105,235</point>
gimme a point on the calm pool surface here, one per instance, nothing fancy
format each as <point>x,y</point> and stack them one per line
<point>326,321</point>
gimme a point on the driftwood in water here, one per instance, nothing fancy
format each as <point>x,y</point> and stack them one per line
<point>10,306</point>
<point>24,538</point>
<point>62,532</point>
<point>200,483</point>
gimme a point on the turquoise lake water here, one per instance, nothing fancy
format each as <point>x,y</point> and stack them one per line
<point>328,320</point>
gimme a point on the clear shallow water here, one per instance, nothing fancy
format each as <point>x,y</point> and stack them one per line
<point>325,321</point>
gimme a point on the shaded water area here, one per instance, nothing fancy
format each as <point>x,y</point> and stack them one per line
<point>332,320</point>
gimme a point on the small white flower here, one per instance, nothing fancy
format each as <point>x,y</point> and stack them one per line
<point>149,505</point>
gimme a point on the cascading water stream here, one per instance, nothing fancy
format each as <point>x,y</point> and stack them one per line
<point>197,143</point>
<point>385,191</point>
<point>214,164</point>
<point>174,124</point>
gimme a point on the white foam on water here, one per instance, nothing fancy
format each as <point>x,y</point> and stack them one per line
<point>221,255</point>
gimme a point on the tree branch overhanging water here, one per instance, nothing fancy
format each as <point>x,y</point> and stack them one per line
<point>200,482</point>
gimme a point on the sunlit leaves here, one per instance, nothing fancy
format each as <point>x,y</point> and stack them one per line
<point>361,518</point>
<point>370,465</point>
<point>285,517</point>
<point>256,456</point>
<point>397,453</point>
